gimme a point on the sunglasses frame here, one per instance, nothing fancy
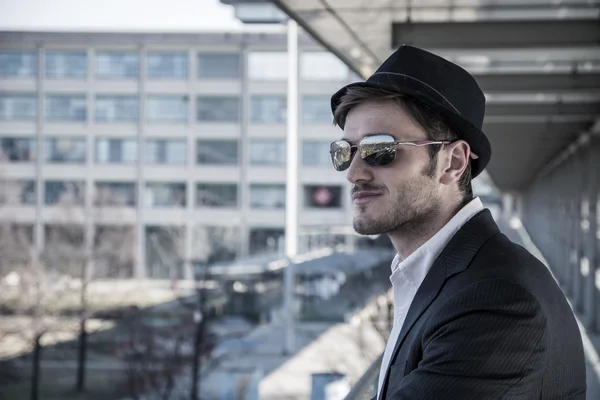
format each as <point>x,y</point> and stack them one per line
<point>414,143</point>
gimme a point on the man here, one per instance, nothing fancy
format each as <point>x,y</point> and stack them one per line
<point>475,315</point>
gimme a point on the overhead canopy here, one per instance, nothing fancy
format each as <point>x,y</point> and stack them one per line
<point>538,61</point>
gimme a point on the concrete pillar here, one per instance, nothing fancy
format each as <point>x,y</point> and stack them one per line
<point>243,156</point>
<point>140,270</point>
<point>38,227</point>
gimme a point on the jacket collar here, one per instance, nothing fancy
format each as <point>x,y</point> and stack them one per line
<point>455,258</point>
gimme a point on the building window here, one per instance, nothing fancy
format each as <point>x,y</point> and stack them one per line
<point>315,153</point>
<point>18,107</point>
<point>116,151</point>
<point>219,66</point>
<point>267,196</point>
<point>266,240</point>
<point>117,64</point>
<point>164,252</point>
<point>167,65</point>
<point>67,151</point>
<point>66,64</point>
<point>20,192</point>
<point>64,249</point>
<point>117,108</point>
<point>218,109</point>
<point>114,251</point>
<point>320,196</point>
<point>215,243</point>
<point>268,66</point>
<point>167,109</point>
<point>267,152</point>
<point>171,152</point>
<point>21,64</point>
<point>18,149</point>
<point>216,195</point>
<point>165,195</point>
<point>65,107</point>
<point>115,194</point>
<point>217,152</point>
<point>268,109</point>
<point>316,109</point>
<point>322,66</point>
<point>64,192</point>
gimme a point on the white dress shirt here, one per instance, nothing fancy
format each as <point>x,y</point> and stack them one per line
<point>407,275</point>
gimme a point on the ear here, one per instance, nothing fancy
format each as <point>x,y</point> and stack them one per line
<point>455,161</point>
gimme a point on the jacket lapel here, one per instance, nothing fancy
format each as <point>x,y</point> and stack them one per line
<point>456,257</point>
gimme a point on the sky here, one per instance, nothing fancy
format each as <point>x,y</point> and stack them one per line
<point>120,15</point>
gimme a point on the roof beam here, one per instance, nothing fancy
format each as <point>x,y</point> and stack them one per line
<point>497,34</point>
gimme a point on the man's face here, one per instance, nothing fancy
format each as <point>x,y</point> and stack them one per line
<point>396,198</point>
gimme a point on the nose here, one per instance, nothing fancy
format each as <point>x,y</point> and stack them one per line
<point>358,171</point>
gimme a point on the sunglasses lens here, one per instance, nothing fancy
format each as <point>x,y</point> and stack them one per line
<point>341,155</point>
<point>378,150</point>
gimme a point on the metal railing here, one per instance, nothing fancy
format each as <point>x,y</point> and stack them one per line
<point>366,387</point>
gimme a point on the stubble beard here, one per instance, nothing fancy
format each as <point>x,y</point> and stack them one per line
<point>412,210</point>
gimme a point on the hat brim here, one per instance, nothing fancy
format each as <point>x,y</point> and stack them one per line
<point>475,137</point>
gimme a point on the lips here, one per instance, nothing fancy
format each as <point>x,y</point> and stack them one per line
<point>364,197</point>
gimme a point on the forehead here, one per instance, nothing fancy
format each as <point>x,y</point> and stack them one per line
<point>381,117</point>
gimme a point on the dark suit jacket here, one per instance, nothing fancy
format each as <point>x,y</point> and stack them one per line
<point>488,322</point>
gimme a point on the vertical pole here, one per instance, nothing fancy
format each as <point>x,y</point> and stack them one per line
<point>291,200</point>
<point>140,270</point>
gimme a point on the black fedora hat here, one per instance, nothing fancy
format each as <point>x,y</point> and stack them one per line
<point>441,85</point>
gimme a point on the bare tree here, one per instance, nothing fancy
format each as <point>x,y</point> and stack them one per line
<point>40,286</point>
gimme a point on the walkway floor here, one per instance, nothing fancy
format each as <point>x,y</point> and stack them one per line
<point>591,343</point>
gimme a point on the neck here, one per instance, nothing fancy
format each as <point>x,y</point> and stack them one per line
<point>409,238</point>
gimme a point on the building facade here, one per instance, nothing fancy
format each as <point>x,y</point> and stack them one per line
<point>178,140</point>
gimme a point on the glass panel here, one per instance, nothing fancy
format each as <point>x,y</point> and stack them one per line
<point>115,194</point>
<point>114,252</point>
<point>218,65</point>
<point>62,150</point>
<point>265,240</point>
<point>166,108</point>
<point>64,192</point>
<point>269,109</point>
<point>167,65</point>
<point>17,192</point>
<point>66,64</point>
<point>171,152</point>
<point>17,106</point>
<point>268,66</point>
<point>66,108</point>
<point>22,64</point>
<point>322,66</point>
<point>165,195</point>
<point>218,109</point>
<point>216,195</point>
<point>117,64</point>
<point>165,252</point>
<point>316,153</point>
<point>116,108</point>
<point>219,152</point>
<point>322,196</point>
<point>18,149</point>
<point>316,109</point>
<point>215,243</point>
<point>267,196</point>
<point>267,152</point>
<point>116,151</point>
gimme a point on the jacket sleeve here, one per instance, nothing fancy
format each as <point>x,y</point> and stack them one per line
<point>487,342</point>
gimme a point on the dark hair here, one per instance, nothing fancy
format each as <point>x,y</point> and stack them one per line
<point>432,123</point>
